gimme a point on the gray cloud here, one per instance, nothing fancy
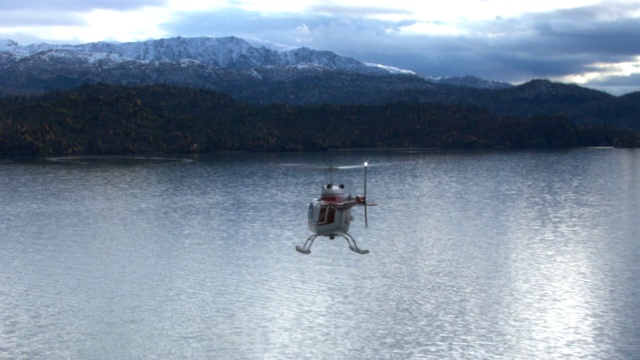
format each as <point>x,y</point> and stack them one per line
<point>572,32</point>
<point>77,5</point>
<point>357,11</point>
<point>241,23</point>
<point>544,45</point>
<point>617,84</point>
<point>538,45</point>
<point>41,18</point>
<point>61,12</point>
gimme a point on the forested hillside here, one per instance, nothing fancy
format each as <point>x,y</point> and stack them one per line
<point>109,119</point>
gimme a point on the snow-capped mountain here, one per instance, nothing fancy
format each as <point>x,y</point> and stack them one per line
<point>239,67</point>
<point>227,53</point>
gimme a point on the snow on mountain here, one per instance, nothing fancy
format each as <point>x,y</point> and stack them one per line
<point>225,52</point>
<point>391,69</point>
<point>8,45</point>
<point>66,57</point>
<point>226,63</point>
<point>260,43</point>
<point>228,53</point>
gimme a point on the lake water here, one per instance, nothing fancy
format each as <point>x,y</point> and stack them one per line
<point>474,255</point>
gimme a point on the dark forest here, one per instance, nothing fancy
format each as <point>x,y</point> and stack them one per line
<point>109,119</point>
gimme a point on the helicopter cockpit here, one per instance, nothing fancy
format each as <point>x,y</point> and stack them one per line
<point>332,192</point>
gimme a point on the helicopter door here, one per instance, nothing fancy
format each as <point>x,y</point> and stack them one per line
<point>326,215</point>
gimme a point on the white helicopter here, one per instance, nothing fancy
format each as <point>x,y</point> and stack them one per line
<point>330,214</point>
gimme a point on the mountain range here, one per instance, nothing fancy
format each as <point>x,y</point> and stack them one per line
<point>262,73</point>
<point>227,64</point>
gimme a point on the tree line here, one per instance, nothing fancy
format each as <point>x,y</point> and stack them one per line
<point>110,119</point>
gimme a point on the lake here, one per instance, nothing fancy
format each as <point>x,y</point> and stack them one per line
<point>473,255</point>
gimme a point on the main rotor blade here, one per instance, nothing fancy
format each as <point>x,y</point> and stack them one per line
<point>325,167</point>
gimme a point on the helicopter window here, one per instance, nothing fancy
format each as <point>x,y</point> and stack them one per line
<point>331,215</point>
<point>323,214</point>
<point>327,214</point>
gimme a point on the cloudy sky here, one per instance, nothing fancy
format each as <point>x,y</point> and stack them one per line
<point>590,42</point>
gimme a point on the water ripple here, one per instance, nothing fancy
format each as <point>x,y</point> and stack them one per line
<point>473,255</point>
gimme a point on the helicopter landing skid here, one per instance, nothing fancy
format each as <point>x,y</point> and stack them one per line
<point>306,248</point>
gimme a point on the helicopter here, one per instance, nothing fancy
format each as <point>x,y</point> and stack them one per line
<point>330,214</point>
